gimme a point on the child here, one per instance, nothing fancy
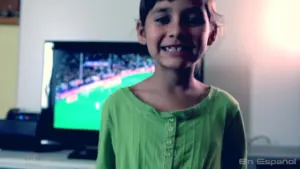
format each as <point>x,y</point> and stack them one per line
<point>171,120</point>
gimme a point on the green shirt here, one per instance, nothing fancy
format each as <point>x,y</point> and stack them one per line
<point>209,135</point>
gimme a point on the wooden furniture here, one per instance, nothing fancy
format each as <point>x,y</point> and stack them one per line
<point>9,21</point>
<point>9,12</point>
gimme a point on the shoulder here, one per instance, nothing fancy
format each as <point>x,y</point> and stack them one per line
<point>115,99</point>
<point>113,104</point>
<point>224,96</point>
<point>229,106</point>
<point>225,99</point>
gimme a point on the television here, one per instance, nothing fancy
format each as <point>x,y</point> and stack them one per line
<point>78,77</point>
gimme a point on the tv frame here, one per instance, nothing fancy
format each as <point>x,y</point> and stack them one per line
<point>82,138</point>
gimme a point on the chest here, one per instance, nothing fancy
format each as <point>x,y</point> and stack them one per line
<point>168,103</point>
<point>171,136</point>
<point>169,142</point>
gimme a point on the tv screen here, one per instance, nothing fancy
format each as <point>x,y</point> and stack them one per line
<point>85,74</point>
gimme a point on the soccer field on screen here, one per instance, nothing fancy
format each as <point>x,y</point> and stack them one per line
<point>82,110</point>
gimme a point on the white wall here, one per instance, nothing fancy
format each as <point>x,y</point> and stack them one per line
<point>276,73</point>
<point>263,78</point>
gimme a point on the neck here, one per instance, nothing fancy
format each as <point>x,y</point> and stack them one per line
<point>174,79</point>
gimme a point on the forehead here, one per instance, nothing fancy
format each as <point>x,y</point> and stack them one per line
<point>193,2</point>
<point>170,6</point>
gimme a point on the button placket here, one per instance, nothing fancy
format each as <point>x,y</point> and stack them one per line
<point>169,142</point>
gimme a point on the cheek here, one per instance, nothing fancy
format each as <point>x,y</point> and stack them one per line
<point>154,36</point>
<point>200,35</point>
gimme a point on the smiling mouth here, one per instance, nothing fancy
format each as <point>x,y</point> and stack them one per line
<point>178,49</point>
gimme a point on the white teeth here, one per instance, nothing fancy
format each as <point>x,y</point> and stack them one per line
<point>179,49</point>
<point>174,49</point>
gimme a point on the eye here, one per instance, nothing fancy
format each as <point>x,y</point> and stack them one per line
<point>194,20</point>
<point>163,20</point>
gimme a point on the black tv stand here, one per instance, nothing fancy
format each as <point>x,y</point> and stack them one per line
<point>84,154</point>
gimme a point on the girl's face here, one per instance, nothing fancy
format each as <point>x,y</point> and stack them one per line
<point>176,32</point>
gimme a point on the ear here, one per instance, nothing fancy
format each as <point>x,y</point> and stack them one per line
<point>213,34</point>
<point>140,29</point>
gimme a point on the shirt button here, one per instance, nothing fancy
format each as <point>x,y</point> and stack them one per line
<point>171,129</point>
<point>169,142</point>
<point>171,120</point>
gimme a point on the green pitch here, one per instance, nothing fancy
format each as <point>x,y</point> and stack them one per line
<point>82,111</point>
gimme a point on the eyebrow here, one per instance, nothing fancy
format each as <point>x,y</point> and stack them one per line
<point>162,10</point>
<point>193,9</point>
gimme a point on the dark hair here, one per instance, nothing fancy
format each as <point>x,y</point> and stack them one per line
<point>147,5</point>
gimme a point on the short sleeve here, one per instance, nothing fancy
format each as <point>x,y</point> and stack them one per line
<point>106,155</point>
<point>234,151</point>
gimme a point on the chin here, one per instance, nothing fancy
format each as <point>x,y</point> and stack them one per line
<point>175,65</point>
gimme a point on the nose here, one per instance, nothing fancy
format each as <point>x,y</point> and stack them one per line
<point>177,30</point>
